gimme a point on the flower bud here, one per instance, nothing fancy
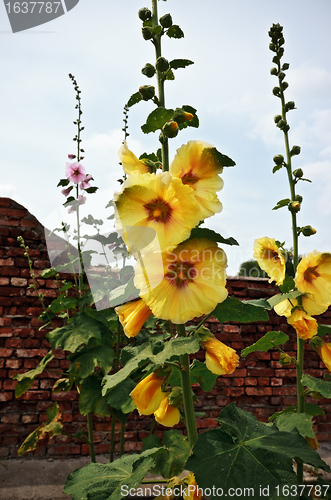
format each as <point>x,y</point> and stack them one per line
<point>277,118</point>
<point>166,21</point>
<point>181,116</point>
<point>274,71</point>
<point>162,64</point>
<point>285,66</point>
<point>144,14</point>
<point>284,359</point>
<point>272,47</point>
<point>170,129</point>
<point>316,395</point>
<point>284,85</point>
<point>275,59</point>
<point>278,159</point>
<point>308,231</point>
<point>281,124</point>
<point>148,70</point>
<point>298,198</point>
<point>281,75</point>
<point>296,150</point>
<point>298,173</point>
<point>276,91</point>
<point>147,33</point>
<point>147,92</point>
<point>71,157</point>
<point>294,207</point>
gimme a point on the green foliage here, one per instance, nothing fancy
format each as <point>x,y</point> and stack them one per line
<point>224,160</point>
<point>323,330</point>
<point>176,451</point>
<point>134,99</point>
<point>91,399</point>
<point>300,421</point>
<point>248,453</point>
<point>199,375</point>
<point>123,293</point>
<point>103,482</point>
<point>180,63</point>
<point>25,380</point>
<point>156,119</point>
<point>80,331</point>
<point>84,361</point>
<point>288,284</point>
<point>282,203</point>
<point>175,32</point>
<point>203,232</point>
<point>119,397</point>
<point>277,299</point>
<point>251,269</point>
<point>233,309</point>
<point>268,341</point>
<point>317,385</point>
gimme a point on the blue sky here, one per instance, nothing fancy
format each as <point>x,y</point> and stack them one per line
<point>229,85</point>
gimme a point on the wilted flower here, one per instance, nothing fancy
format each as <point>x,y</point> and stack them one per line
<point>192,491</point>
<point>191,281</point>
<point>130,162</point>
<point>305,326</point>
<point>133,315</point>
<point>270,259</point>
<point>313,443</point>
<point>66,191</point>
<point>167,414</point>
<point>313,276</point>
<point>197,165</point>
<point>220,359</point>
<point>75,172</point>
<point>147,395</point>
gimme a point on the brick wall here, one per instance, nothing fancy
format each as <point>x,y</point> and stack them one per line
<point>260,384</point>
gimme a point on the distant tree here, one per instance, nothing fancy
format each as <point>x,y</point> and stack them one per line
<point>251,269</point>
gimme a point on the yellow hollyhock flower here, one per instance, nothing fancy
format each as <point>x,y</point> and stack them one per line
<point>191,281</point>
<point>196,164</point>
<point>313,276</point>
<point>130,162</point>
<point>147,395</point>
<point>160,202</point>
<point>132,316</point>
<point>313,442</point>
<point>325,354</point>
<point>192,491</point>
<point>167,414</point>
<point>220,359</point>
<point>310,306</point>
<point>305,326</point>
<point>270,258</point>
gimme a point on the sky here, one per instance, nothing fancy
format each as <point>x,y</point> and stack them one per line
<point>230,85</point>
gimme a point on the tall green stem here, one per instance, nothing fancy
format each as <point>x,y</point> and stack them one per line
<point>115,368</point>
<point>90,436</point>
<point>160,84</point>
<point>187,393</point>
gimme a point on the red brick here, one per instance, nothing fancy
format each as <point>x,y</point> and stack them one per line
<point>65,396</point>
<point>7,262</point>
<point>234,392</point>
<point>250,381</point>
<point>6,221</point>
<point>4,281</point>
<point>9,385</point>
<point>6,396</point>
<point>276,381</point>
<point>9,271</point>
<point>10,418</point>
<point>6,332</point>
<point>6,353</point>
<point>14,363</point>
<point>14,212</point>
<point>31,353</point>
<point>263,381</point>
<point>9,291</point>
<point>41,264</point>
<point>29,419</point>
<point>19,282</point>
<point>258,391</point>
<point>284,391</point>
<point>14,343</point>
<point>28,223</point>
<point>67,450</point>
<point>35,395</point>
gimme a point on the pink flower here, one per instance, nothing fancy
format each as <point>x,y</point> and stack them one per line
<point>85,183</point>
<point>75,172</point>
<point>71,157</point>
<point>66,191</point>
<point>81,199</point>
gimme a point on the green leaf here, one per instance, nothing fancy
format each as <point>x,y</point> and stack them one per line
<point>175,32</point>
<point>156,119</point>
<point>224,160</point>
<point>63,183</point>
<point>47,273</point>
<point>180,63</point>
<point>84,362</point>
<point>144,353</point>
<point>286,410</point>
<point>134,99</point>
<point>276,167</point>
<point>119,397</point>
<point>72,336</point>
<point>268,341</point>
<point>323,330</point>
<point>91,190</point>
<point>91,399</point>
<point>103,482</point>
<point>201,232</point>
<point>314,410</point>
<point>259,303</point>
<point>282,203</point>
<point>199,375</point>
<point>25,380</point>
<point>63,385</point>
<point>317,385</point>
<point>123,293</point>
<point>280,297</point>
<point>247,453</point>
<point>233,309</point>
<point>288,284</point>
<point>192,123</point>
<point>170,75</point>
<point>300,421</point>
<point>176,451</point>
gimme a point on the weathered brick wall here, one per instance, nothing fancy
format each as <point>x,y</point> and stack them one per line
<point>260,384</point>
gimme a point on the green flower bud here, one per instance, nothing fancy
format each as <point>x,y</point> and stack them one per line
<point>281,41</point>
<point>298,198</point>
<point>277,118</point>
<point>147,92</point>
<point>308,231</point>
<point>296,150</point>
<point>148,70</point>
<point>284,85</point>
<point>281,75</point>
<point>166,21</point>
<point>181,116</point>
<point>170,129</point>
<point>298,173</point>
<point>275,59</point>
<point>289,105</point>
<point>285,66</point>
<point>147,33</point>
<point>284,359</point>
<point>294,207</point>
<point>144,14</point>
<point>278,159</point>
<point>272,47</point>
<point>276,91</point>
<point>274,71</point>
<point>316,395</point>
<point>281,124</point>
<point>162,64</point>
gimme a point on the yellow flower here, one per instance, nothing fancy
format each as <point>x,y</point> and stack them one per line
<point>133,315</point>
<point>192,491</point>
<point>166,414</point>
<point>270,259</point>
<point>325,354</point>
<point>147,395</point>
<point>191,281</point>
<point>220,359</point>
<point>313,443</point>
<point>130,162</point>
<point>305,326</point>
<point>196,164</point>
<point>160,202</point>
<point>310,306</point>
<point>313,276</point>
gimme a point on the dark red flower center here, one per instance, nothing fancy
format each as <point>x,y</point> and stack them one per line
<point>158,210</point>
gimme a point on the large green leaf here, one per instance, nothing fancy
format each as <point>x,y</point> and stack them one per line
<point>84,361</point>
<point>268,341</point>
<point>300,421</point>
<point>177,450</point>
<point>259,303</point>
<point>123,293</point>
<point>280,297</point>
<point>119,398</point>
<point>203,232</point>
<point>317,385</point>
<point>323,330</point>
<point>79,332</point>
<point>199,374</point>
<point>224,160</point>
<point>246,453</point>
<point>111,481</point>
<point>144,353</point>
<point>25,380</point>
<point>91,399</point>
<point>233,309</point>
<point>180,63</point>
<point>156,119</point>
<point>134,99</point>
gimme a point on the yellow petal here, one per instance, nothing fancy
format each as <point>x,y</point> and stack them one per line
<point>130,162</point>
<point>132,316</point>
<point>313,276</point>
<point>147,395</point>
<point>325,354</point>
<point>270,259</point>
<point>220,359</point>
<point>304,325</point>
<point>167,415</point>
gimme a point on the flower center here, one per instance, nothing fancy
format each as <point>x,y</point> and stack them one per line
<point>270,255</point>
<point>190,178</point>
<point>311,274</point>
<point>181,273</point>
<point>158,210</point>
